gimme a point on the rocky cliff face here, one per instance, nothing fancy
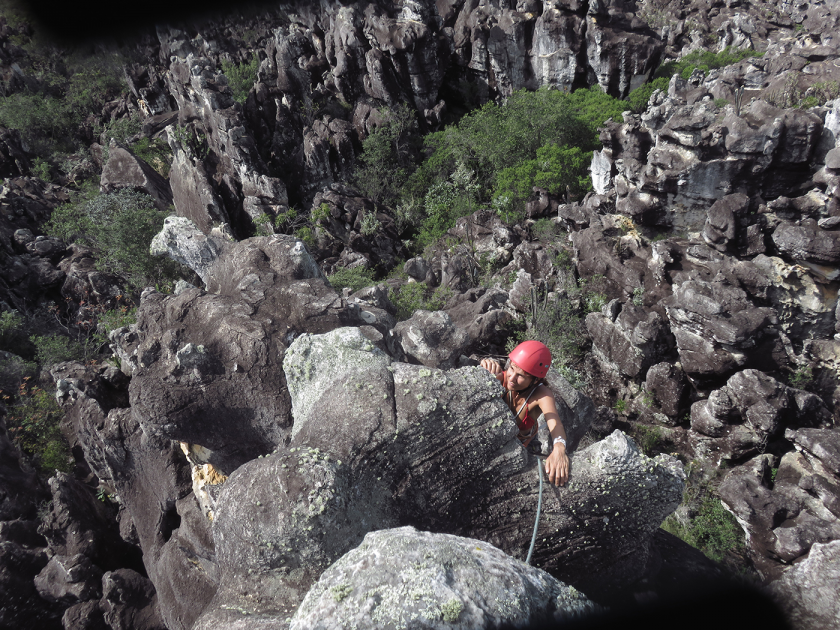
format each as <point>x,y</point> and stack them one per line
<point>263,425</point>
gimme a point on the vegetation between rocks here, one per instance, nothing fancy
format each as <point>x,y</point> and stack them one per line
<point>32,419</point>
<point>704,523</point>
<point>492,157</point>
<point>119,227</point>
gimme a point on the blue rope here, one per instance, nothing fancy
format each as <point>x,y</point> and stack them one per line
<point>539,508</point>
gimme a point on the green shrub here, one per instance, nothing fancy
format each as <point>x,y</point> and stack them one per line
<point>447,201</point>
<point>802,377</point>
<point>494,137</point>
<point>51,113</point>
<point>370,225</point>
<point>33,423</point>
<point>638,298</point>
<point>712,530</point>
<point>321,213</point>
<point>305,234</point>
<point>560,327</point>
<point>241,77</point>
<point>705,60</point>
<point>45,122</point>
<point>52,349</point>
<point>41,169</point>
<point>649,439</point>
<point>112,320</point>
<point>492,157</point>
<point>354,278</point>
<point>545,228</point>
<point>637,100</point>
<point>556,169</point>
<point>156,152</point>
<point>13,371</point>
<point>191,140</point>
<point>56,456</point>
<point>120,227</point>
<point>388,156</point>
<point>417,296</point>
<point>118,318</point>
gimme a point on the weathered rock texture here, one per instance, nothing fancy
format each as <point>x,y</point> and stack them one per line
<point>425,447</point>
<point>808,590</point>
<point>406,577</point>
<point>232,475</point>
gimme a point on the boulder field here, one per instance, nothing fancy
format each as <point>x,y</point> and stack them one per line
<point>273,453</point>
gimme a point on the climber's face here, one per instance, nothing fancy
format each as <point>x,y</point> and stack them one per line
<point>517,378</point>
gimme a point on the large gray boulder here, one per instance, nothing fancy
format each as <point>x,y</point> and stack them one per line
<point>432,339</point>
<point>407,577</point>
<point>184,243</point>
<point>262,293</point>
<point>807,592</point>
<point>785,517</point>
<point>750,410</point>
<point>380,444</point>
<point>714,324</point>
<point>129,602</point>
<point>71,579</point>
<point>125,170</point>
<point>628,339</point>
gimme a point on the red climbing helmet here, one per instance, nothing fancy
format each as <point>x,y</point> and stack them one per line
<point>533,357</point>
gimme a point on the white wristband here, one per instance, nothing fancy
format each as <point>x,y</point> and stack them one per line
<point>561,440</point>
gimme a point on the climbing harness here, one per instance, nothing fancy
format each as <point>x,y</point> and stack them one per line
<point>525,439</point>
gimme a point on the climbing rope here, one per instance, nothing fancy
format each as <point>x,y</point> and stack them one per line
<point>539,508</point>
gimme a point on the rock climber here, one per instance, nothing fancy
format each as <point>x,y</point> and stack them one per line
<point>527,395</point>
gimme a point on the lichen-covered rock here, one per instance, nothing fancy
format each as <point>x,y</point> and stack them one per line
<point>263,292</point>
<point>184,243</point>
<point>805,307</point>
<point>682,155</point>
<point>595,249</point>
<point>783,519</point>
<point>751,409</point>
<point>432,339</point>
<point>807,592</point>
<point>722,225</point>
<point>808,244</point>
<point>404,577</point>
<point>481,313</point>
<point>384,444</point>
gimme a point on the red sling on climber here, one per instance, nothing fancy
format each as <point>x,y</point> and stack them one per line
<point>527,395</point>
